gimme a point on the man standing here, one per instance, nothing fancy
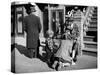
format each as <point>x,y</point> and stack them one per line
<point>32,26</point>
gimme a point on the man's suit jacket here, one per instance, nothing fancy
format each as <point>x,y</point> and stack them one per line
<point>32,26</point>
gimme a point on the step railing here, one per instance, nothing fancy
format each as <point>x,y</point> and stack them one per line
<point>86,18</point>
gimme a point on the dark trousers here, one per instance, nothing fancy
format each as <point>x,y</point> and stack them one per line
<point>34,52</point>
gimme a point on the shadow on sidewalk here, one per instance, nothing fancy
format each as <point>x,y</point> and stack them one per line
<point>21,49</point>
<point>26,52</point>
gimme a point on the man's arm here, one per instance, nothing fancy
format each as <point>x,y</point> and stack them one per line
<point>39,25</point>
<point>25,24</point>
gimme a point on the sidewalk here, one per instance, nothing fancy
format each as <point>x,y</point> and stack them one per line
<point>26,65</point>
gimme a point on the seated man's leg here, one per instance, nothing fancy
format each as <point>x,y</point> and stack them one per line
<point>75,52</point>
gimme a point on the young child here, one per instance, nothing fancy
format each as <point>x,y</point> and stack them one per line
<point>52,45</point>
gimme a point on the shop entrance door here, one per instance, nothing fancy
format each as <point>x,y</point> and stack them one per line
<point>57,20</point>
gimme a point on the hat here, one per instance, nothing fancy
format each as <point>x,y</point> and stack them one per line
<point>30,7</point>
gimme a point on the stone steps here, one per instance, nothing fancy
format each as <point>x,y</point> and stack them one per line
<point>90,47</point>
<point>89,38</point>
<point>90,50</point>
<point>95,14</point>
<point>92,28</point>
<point>93,23</point>
<point>93,18</point>
<point>90,44</point>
